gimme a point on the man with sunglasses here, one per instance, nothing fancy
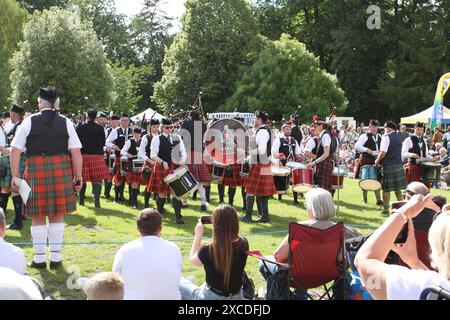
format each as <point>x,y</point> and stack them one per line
<point>391,163</point>
<point>425,218</point>
<point>169,153</point>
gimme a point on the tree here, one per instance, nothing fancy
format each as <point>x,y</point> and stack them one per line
<point>216,39</point>
<point>11,19</point>
<point>284,76</point>
<point>125,96</point>
<point>32,5</point>
<point>60,50</point>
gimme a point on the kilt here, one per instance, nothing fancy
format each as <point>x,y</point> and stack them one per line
<point>94,168</point>
<point>412,172</point>
<point>51,181</point>
<point>394,177</point>
<point>134,177</point>
<point>156,183</point>
<point>118,178</point>
<point>144,181</point>
<point>324,174</point>
<point>361,163</point>
<point>5,161</point>
<point>236,180</point>
<point>260,181</point>
<point>198,167</point>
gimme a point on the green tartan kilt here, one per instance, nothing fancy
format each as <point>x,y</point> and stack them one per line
<point>6,180</point>
<point>394,178</point>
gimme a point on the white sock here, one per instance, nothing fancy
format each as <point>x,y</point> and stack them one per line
<point>39,236</point>
<point>202,193</point>
<point>55,239</point>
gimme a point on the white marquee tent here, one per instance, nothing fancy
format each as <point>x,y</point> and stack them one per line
<point>149,113</point>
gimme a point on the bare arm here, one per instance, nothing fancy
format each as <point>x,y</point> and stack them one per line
<point>196,245</point>
<point>281,254</point>
<point>77,165</point>
<point>15,162</point>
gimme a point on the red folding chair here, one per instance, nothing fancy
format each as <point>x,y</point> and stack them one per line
<point>316,257</point>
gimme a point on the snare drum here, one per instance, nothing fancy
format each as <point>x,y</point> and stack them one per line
<point>181,182</point>
<point>138,164</point>
<point>111,163</point>
<point>218,171</point>
<point>338,178</point>
<point>245,169</point>
<point>281,179</point>
<point>302,178</point>
<point>370,178</point>
<point>430,172</point>
<point>125,166</point>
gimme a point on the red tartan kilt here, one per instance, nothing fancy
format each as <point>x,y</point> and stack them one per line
<point>324,175</point>
<point>260,181</point>
<point>412,172</point>
<point>361,163</point>
<point>144,181</point>
<point>156,183</point>
<point>236,180</point>
<point>134,178</point>
<point>118,178</point>
<point>200,172</point>
<point>94,168</point>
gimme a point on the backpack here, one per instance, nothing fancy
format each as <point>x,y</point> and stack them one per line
<point>277,285</point>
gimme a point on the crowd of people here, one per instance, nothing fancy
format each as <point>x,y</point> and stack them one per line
<point>57,158</point>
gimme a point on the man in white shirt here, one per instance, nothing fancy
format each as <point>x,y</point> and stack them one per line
<point>7,123</point>
<point>150,266</point>
<point>115,123</point>
<point>10,256</point>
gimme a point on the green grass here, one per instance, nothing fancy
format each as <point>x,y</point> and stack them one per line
<point>116,223</point>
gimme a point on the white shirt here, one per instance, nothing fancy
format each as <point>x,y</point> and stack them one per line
<point>276,146</point>
<point>8,126</point>
<point>325,139</point>
<point>405,284</point>
<point>446,135</point>
<point>154,147</point>
<point>384,146</point>
<point>141,153</point>
<point>12,257</point>
<point>310,145</point>
<point>262,136</point>
<point>362,141</point>
<point>15,286</point>
<point>20,139</point>
<point>2,138</point>
<point>126,147</point>
<point>114,135</point>
<point>150,268</point>
<point>408,144</point>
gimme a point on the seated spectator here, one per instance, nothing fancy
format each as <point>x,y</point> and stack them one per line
<point>443,158</point>
<point>15,286</point>
<point>425,218</point>
<point>104,286</point>
<point>10,256</point>
<point>150,266</point>
<point>395,282</point>
<point>223,259</point>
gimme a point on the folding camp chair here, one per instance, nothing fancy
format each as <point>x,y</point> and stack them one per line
<point>316,257</point>
<point>435,293</point>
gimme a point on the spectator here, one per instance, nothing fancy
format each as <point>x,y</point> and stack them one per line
<point>440,201</point>
<point>437,136</point>
<point>428,138</point>
<point>104,286</point>
<point>150,266</point>
<point>395,282</point>
<point>15,286</point>
<point>446,138</point>
<point>223,259</point>
<point>10,256</point>
<point>424,219</point>
<point>403,134</point>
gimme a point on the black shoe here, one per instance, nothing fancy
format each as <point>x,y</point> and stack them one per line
<point>296,203</point>
<point>81,203</point>
<point>244,209</point>
<point>180,220</point>
<point>35,265</point>
<point>15,226</point>
<point>245,219</point>
<point>203,207</point>
<point>380,203</point>
<point>263,220</point>
<point>55,264</point>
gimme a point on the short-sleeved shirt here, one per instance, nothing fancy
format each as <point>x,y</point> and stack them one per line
<point>214,277</point>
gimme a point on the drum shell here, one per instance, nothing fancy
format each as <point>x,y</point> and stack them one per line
<point>182,183</point>
<point>430,172</point>
<point>138,165</point>
<point>302,180</point>
<point>370,178</point>
<point>218,172</point>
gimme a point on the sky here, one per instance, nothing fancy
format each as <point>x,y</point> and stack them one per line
<point>174,8</point>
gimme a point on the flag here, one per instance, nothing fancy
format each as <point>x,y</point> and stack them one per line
<point>438,110</point>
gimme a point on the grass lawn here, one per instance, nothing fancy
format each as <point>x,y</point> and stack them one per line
<point>93,236</point>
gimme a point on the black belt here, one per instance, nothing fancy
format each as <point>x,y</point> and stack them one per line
<point>220,293</point>
<point>46,154</point>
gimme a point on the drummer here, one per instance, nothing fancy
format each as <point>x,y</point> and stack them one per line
<point>115,123</point>
<point>368,145</point>
<point>130,150</point>
<point>413,149</point>
<point>286,149</point>
<point>144,153</point>
<point>168,151</point>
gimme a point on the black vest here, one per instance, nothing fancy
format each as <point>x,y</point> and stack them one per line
<point>120,141</point>
<point>422,152</point>
<point>297,134</point>
<point>149,144</point>
<point>165,147</point>
<point>288,149</point>
<point>370,144</point>
<point>316,145</point>
<point>134,146</point>
<point>48,134</point>
<point>108,132</point>
<point>320,148</point>
<point>394,153</point>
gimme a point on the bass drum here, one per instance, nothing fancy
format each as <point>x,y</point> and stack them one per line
<point>224,137</point>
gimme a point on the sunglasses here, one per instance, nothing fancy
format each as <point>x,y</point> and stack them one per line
<point>168,127</point>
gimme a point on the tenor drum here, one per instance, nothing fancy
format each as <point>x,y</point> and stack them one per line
<point>302,178</point>
<point>369,178</point>
<point>281,179</point>
<point>111,162</point>
<point>125,166</point>
<point>338,178</point>
<point>218,171</point>
<point>224,137</point>
<point>181,182</point>
<point>245,169</point>
<point>430,172</point>
<point>137,166</point>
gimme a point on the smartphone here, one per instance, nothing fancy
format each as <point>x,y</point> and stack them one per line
<point>206,220</point>
<point>397,205</point>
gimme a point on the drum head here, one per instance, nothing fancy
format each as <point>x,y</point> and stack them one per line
<point>369,185</point>
<point>237,136</point>
<point>295,165</point>
<point>302,188</point>
<point>281,171</point>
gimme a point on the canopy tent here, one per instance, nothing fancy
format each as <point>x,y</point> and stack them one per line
<point>426,115</point>
<point>149,113</point>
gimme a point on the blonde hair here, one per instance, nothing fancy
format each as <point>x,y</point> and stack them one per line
<point>439,239</point>
<point>104,286</point>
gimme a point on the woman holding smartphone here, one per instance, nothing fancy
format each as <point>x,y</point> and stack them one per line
<point>223,259</point>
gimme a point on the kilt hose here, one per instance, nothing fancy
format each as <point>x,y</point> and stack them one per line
<point>236,180</point>
<point>361,163</point>
<point>118,177</point>
<point>260,181</point>
<point>94,168</point>
<point>51,181</point>
<point>394,177</point>
<point>198,167</point>
<point>156,183</point>
<point>324,174</point>
<point>5,161</point>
